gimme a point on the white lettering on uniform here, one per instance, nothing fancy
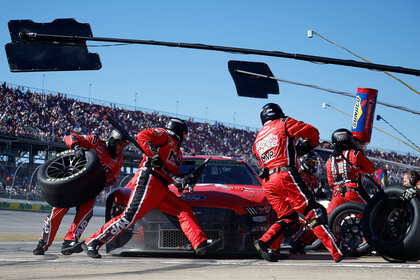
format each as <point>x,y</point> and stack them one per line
<point>268,142</point>
<point>116,228</point>
<point>80,229</point>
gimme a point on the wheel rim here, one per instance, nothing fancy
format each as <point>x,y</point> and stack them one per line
<point>393,219</point>
<point>347,225</point>
<point>65,166</point>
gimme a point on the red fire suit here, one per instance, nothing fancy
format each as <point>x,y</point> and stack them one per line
<point>275,148</point>
<point>150,190</point>
<point>346,179</point>
<point>112,168</point>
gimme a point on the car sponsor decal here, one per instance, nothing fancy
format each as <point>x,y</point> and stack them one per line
<point>267,143</point>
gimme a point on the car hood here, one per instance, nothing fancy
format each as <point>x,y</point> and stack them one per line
<point>234,197</point>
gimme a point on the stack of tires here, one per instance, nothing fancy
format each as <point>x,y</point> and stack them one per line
<point>67,181</point>
<point>391,225</point>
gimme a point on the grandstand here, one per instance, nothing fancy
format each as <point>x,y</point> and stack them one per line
<point>33,126</point>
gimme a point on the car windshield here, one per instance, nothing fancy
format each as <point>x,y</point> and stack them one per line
<point>222,172</point>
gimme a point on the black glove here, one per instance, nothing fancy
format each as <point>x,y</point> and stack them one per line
<point>157,162</point>
<point>79,152</point>
<point>410,193</point>
<point>303,147</point>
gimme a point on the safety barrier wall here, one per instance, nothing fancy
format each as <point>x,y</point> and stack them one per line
<point>37,206</point>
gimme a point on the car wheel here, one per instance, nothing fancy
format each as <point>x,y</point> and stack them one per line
<point>391,225</point>
<point>66,181</point>
<point>316,245</point>
<point>346,222</point>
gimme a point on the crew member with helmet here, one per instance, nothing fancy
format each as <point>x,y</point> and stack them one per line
<point>345,168</point>
<point>149,189</point>
<point>277,151</point>
<point>307,168</point>
<point>109,154</point>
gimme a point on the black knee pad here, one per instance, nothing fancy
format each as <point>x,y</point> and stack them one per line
<point>289,228</point>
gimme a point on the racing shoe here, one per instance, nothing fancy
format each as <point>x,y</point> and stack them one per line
<point>208,246</point>
<point>91,250</point>
<point>297,248</point>
<point>265,252</point>
<point>71,246</point>
<point>345,250</point>
<point>39,250</point>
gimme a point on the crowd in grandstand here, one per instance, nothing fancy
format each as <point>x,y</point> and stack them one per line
<point>49,117</point>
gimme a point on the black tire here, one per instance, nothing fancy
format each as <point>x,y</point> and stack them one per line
<point>67,182</point>
<point>316,245</point>
<point>346,222</point>
<point>392,225</point>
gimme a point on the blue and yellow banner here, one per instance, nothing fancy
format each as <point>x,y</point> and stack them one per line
<point>382,178</point>
<point>364,110</point>
<point>23,206</point>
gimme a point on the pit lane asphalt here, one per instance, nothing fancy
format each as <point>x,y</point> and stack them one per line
<point>18,262</point>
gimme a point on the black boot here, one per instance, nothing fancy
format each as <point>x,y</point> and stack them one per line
<point>91,250</point>
<point>208,246</point>
<point>265,252</point>
<point>39,250</point>
<point>345,250</point>
<point>71,246</point>
<point>298,247</point>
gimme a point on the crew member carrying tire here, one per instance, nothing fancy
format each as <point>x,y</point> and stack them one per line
<point>149,189</point>
<point>345,168</point>
<point>276,150</point>
<point>111,159</point>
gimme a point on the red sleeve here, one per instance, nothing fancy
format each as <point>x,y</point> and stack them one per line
<point>329,175</point>
<point>151,139</point>
<point>359,159</point>
<point>298,129</point>
<point>86,141</point>
<point>364,163</point>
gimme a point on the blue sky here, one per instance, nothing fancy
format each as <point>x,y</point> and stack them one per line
<point>197,83</point>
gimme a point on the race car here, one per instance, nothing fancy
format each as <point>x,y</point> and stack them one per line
<point>227,200</point>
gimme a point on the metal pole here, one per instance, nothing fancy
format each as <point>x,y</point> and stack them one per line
<point>327,60</point>
<point>123,180</point>
<point>33,173</point>
<point>14,175</point>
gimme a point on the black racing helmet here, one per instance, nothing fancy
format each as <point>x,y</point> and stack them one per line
<point>343,139</point>
<point>176,128</point>
<point>270,111</point>
<point>308,162</point>
<point>114,138</point>
<point>117,135</point>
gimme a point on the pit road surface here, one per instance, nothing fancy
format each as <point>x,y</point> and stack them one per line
<point>19,233</point>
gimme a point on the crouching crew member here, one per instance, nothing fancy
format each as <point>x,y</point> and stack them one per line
<point>345,169</point>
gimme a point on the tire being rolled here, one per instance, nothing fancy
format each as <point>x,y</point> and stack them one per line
<point>68,182</point>
<point>391,225</point>
<point>346,222</point>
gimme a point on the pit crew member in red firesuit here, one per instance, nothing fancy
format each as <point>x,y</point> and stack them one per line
<point>307,169</point>
<point>345,169</point>
<point>149,189</point>
<point>110,156</point>
<point>276,150</point>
